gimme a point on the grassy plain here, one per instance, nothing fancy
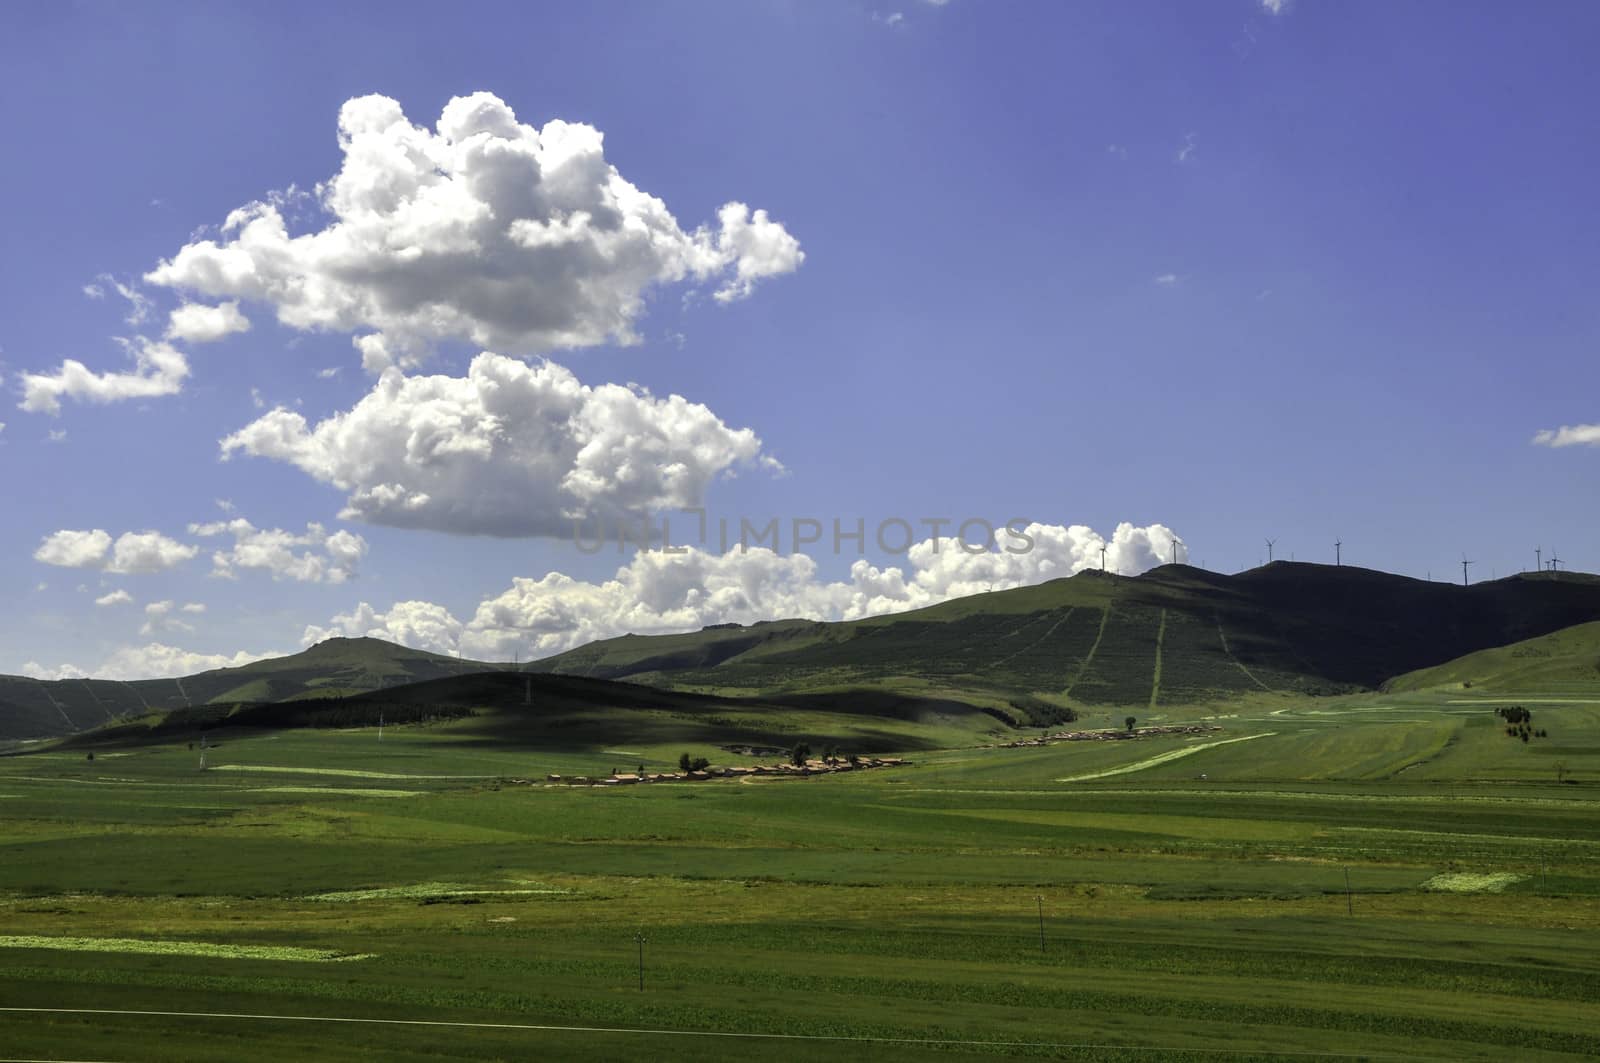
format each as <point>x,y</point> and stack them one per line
<point>1194,906</point>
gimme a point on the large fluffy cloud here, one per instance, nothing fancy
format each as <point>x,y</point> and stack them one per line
<point>510,449</point>
<point>486,229</point>
<point>314,556</point>
<point>131,552</point>
<point>1570,436</point>
<point>659,592</point>
<point>158,369</point>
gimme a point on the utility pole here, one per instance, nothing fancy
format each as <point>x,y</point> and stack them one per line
<point>1040,899</point>
<point>639,938</point>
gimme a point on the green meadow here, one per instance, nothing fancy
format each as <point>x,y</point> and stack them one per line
<point>1389,876</point>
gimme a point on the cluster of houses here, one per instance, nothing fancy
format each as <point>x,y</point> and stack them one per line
<point>1111,736</point>
<point>810,767</point>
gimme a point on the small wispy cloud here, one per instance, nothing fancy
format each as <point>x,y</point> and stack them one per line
<point>1186,149</point>
<point>1577,435</point>
<point>1116,151</point>
<point>1167,280</point>
<point>1274,7</point>
<point>893,19</point>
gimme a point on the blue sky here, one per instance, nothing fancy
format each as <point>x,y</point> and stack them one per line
<point>1220,270</point>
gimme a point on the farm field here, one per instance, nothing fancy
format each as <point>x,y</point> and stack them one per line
<point>1384,876</point>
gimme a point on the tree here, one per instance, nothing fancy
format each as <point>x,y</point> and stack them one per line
<point>800,754</point>
<point>685,763</point>
<point>699,764</point>
<point>641,769</point>
<point>1130,721</point>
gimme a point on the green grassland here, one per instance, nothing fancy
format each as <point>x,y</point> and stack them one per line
<point>1565,660</point>
<point>1193,887</point>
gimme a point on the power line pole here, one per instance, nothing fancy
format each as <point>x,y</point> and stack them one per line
<point>1040,899</point>
<point>639,938</point>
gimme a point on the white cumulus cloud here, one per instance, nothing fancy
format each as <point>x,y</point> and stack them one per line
<point>152,661</point>
<point>131,553</point>
<point>312,556</point>
<point>484,229</point>
<point>509,450</point>
<point>158,369</point>
<point>420,625</point>
<point>199,323</point>
<point>117,597</point>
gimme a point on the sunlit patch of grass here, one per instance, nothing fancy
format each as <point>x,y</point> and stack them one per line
<point>353,773</point>
<point>1468,882</point>
<point>340,790</point>
<point>427,891</point>
<point>209,950</point>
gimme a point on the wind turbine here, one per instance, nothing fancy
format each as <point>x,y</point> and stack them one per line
<point>1555,563</point>
<point>1464,564</point>
<point>1102,557</point>
<point>1176,542</point>
<point>1270,544</point>
<point>1538,557</point>
<point>1338,558</point>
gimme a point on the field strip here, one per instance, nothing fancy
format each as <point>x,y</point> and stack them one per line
<point>351,773</point>
<point>1523,701</point>
<point>342,791</point>
<point>205,949</point>
<point>1163,758</point>
<point>647,1032</point>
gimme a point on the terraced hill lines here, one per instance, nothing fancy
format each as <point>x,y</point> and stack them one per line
<point>1088,660</point>
<point>1222,637</point>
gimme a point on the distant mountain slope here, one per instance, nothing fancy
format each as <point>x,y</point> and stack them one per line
<point>32,708</point>
<point>1175,635</point>
<point>1563,661</point>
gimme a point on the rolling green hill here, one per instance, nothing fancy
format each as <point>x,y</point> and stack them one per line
<point>1563,661</point>
<point>1175,635</point>
<point>32,708</point>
